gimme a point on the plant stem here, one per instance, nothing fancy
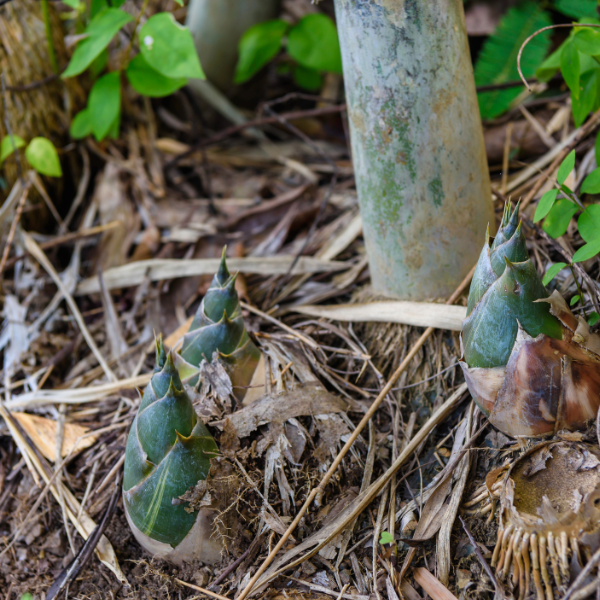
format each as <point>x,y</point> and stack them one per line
<point>133,34</point>
<point>579,290</point>
<point>49,38</point>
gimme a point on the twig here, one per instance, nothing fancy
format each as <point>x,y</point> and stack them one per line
<point>538,33</point>
<point>35,250</point>
<point>315,492</point>
<point>283,326</point>
<point>9,129</point>
<point>133,34</point>
<point>229,131</point>
<point>500,592</point>
<point>32,86</point>
<point>238,561</point>
<point>583,575</point>
<point>13,228</point>
<point>63,239</point>
<point>87,549</point>
<point>579,135</point>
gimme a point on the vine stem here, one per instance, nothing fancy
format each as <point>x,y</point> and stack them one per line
<point>536,33</point>
<point>49,38</point>
<point>135,27</point>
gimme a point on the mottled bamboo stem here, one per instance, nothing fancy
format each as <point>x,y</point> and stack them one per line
<point>417,142</point>
<point>217,26</point>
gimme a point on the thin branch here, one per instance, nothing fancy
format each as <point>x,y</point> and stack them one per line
<point>525,81</point>
<point>318,491</point>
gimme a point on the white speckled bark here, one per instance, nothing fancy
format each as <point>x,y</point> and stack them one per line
<point>417,142</point>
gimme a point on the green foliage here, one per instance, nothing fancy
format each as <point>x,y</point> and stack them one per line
<point>589,222</point>
<point>40,154</point>
<point>577,59</point>
<point>81,125</point>
<point>570,68</point>
<point>552,272</point>
<point>167,59</point>
<point>497,62</point>
<point>100,31</point>
<point>104,104</point>
<point>43,157</point>
<point>8,146</point>
<point>149,82</point>
<point>593,319</point>
<point>587,251</point>
<point>566,166</point>
<point>591,184</point>
<point>259,45</point>
<point>312,44</point>
<point>309,79</point>
<point>574,300</point>
<point>169,48</point>
<point>386,538</point>
<point>544,205</point>
<point>577,9</point>
<point>559,213</point>
<point>559,217</point>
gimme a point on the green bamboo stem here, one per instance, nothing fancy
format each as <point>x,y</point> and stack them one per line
<point>417,143</point>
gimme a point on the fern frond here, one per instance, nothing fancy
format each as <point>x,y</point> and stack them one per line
<point>577,9</point>
<point>497,62</point>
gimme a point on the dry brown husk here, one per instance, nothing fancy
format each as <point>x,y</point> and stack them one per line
<point>550,516</point>
<point>548,385</point>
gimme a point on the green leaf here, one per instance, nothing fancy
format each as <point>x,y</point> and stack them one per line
<point>104,103</point>
<point>550,66</point>
<point>99,63</point>
<point>569,66</point>
<point>43,157</point>
<point>586,252</point>
<point>180,2</point>
<point>26,596</point>
<point>591,184</point>
<point>259,44</point>
<point>589,223</point>
<point>544,205</point>
<point>148,82</point>
<point>81,125</point>
<point>386,538</point>
<point>314,43</point>
<point>306,78</point>
<point>577,8</point>
<point>587,40</point>
<point>7,147</point>
<point>583,106</point>
<point>553,272</point>
<point>101,30</point>
<point>559,217</point>
<point>74,4</point>
<point>497,61</point>
<point>566,166</point>
<point>574,300</point>
<point>113,132</point>
<point>593,319</point>
<point>168,47</point>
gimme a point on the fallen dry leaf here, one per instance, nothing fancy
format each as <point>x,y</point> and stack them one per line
<point>309,399</point>
<point>42,432</point>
